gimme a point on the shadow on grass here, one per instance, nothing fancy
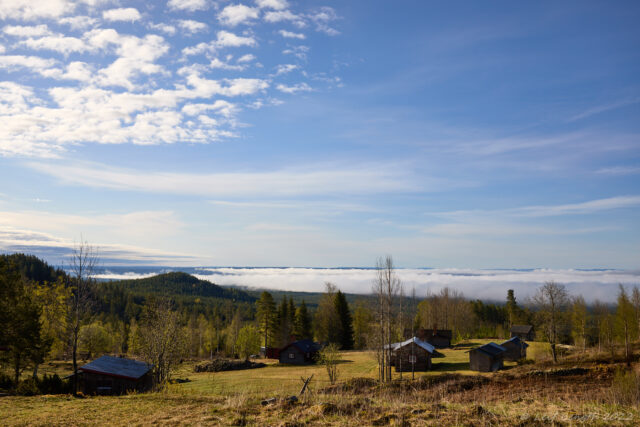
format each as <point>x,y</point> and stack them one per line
<point>466,345</point>
<point>450,366</point>
<point>297,365</point>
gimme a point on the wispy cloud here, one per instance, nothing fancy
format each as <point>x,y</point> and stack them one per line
<point>583,208</point>
<point>309,180</point>
<point>619,170</point>
<point>603,108</point>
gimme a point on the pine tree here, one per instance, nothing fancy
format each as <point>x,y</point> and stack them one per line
<point>266,316</point>
<point>302,325</point>
<point>284,327</point>
<point>346,323</point>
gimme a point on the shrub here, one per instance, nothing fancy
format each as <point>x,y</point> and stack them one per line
<point>28,387</point>
<point>625,389</point>
<point>6,383</point>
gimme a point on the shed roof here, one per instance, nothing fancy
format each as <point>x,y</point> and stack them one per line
<point>492,349</point>
<point>117,367</point>
<point>516,340</point>
<point>425,345</point>
<point>305,346</point>
<point>521,329</point>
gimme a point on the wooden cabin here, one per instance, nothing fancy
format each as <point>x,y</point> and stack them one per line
<point>299,352</point>
<point>439,338</point>
<point>487,358</point>
<point>412,355</point>
<point>516,349</point>
<point>524,332</point>
<point>115,375</point>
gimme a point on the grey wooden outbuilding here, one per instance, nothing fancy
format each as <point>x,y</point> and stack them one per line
<point>299,352</point>
<point>525,332</point>
<point>413,354</point>
<point>487,358</point>
<point>115,375</point>
<point>516,349</point>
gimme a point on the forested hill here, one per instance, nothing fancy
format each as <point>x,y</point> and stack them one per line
<point>31,267</point>
<point>179,284</point>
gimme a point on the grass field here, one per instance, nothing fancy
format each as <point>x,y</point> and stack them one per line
<point>449,394</point>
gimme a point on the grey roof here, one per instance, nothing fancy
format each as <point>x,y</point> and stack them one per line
<point>492,349</point>
<point>516,340</point>
<point>117,367</point>
<point>305,346</point>
<point>521,329</point>
<point>416,340</point>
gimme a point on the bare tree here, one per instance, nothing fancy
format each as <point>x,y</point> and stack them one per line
<point>551,300</point>
<point>84,260</point>
<point>625,322</point>
<point>386,287</point>
<point>162,342</point>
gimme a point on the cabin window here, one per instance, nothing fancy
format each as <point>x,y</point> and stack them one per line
<point>412,358</point>
<point>292,355</point>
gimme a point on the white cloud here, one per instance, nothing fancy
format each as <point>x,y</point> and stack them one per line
<point>285,68</point>
<point>272,4</point>
<point>223,39</point>
<point>27,31</point>
<point>236,14</point>
<point>306,180</point>
<point>217,63</point>
<point>291,35</point>
<point>57,43</point>
<point>43,66</point>
<point>122,14</point>
<point>322,18</point>
<point>79,22</point>
<point>300,87</point>
<point>31,10</point>
<point>165,28</point>
<point>299,52</point>
<point>189,5</point>
<point>192,26</point>
<point>247,58</point>
<point>284,15</point>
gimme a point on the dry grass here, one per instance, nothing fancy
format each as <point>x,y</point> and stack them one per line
<point>580,391</point>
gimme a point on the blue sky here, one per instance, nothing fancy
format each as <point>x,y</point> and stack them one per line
<point>322,133</point>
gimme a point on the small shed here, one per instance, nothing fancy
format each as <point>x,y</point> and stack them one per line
<point>487,358</point>
<point>524,332</point>
<point>115,375</point>
<point>516,349</point>
<point>299,352</point>
<point>412,355</point>
<point>439,338</point>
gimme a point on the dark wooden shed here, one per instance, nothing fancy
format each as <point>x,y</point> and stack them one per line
<point>439,338</point>
<point>516,349</point>
<point>115,375</point>
<point>487,358</point>
<point>524,332</point>
<point>412,355</point>
<point>299,352</point>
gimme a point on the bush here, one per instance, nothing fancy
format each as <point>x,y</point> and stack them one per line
<point>6,383</point>
<point>28,387</point>
<point>53,384</point>
<point>625,389</point>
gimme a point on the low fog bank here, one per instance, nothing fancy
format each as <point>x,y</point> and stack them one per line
<point>482,284</point>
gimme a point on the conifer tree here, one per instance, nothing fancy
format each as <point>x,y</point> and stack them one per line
<point>266,316</point>
<point>346,323</point>
<point>302,325</point>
